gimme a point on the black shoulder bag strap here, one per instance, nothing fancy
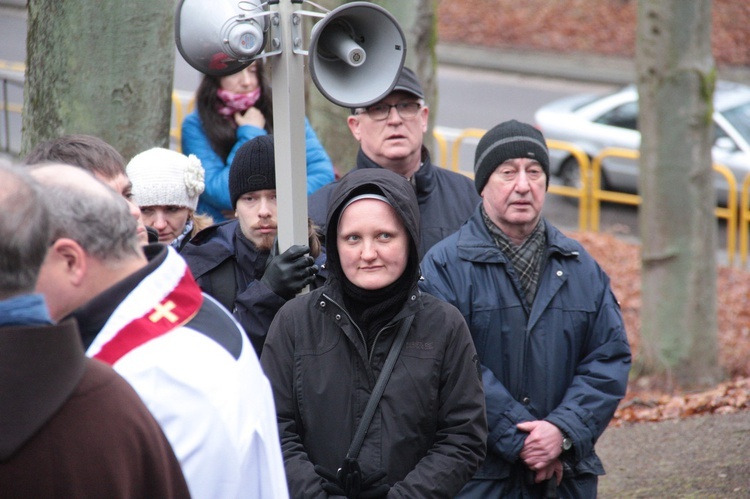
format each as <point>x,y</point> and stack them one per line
<point>377,392</point>
<point>224,283</point>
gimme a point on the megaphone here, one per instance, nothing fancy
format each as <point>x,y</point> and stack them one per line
<point>356,51</point>
<point>220,37</point>
<point>356,54</point>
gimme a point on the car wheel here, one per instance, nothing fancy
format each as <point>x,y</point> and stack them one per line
<point>570,173</point>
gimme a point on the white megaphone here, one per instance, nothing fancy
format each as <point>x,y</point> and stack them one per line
<point>220,37</point>
<point>356,54</point>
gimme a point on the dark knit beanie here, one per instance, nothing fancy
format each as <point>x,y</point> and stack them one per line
<point>253,168</point>
<point>509,140</point>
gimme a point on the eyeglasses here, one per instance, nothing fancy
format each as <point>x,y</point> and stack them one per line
<point>379,112</point>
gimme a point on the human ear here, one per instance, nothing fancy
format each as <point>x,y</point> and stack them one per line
<point>70,259</point>
<point>425,117</point>
<point>353,122</point>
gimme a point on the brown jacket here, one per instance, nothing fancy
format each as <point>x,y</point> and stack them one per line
<point>71,427</point>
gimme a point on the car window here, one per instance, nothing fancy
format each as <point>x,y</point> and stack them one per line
<point>585,102</point>
<point>739,118</point>
<point>623,116</point>
<point>722,139</point>
<point>719,132</point>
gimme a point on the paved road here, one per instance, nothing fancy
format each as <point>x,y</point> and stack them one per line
<point>699,457</point>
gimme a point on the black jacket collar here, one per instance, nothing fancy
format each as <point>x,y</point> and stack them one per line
<point>92,315</point>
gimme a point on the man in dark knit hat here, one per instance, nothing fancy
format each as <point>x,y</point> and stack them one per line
<point>236,261</point>
<point>391,136</point>
<point>546,325</point>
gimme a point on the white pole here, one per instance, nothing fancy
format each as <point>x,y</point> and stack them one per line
<point>287,77</point>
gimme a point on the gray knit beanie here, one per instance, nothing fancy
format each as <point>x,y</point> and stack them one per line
<point>253,168</point>
<point>508,140</point>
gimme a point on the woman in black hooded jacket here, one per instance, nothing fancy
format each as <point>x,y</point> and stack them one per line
<point>325,351</point>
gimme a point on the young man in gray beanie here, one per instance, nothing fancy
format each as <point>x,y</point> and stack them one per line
<point>547,327</point>
<point>235,261</point>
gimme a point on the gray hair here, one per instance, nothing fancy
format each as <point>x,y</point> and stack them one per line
<point>25,231</point>
<point>100,222</point>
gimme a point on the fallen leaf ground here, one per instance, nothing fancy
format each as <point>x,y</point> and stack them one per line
<point>621,261</point>
<point>604,27</point>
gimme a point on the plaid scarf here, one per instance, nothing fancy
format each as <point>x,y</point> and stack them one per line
<point>527,259</point>
<point>187,230</point>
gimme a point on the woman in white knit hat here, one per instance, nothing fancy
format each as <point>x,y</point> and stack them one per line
<point>166,186</point>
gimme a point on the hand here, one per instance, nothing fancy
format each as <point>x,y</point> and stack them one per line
<point>331,483</point>
<point>350,483</point>
<point>252,116</point>
<point>553,470</point>
<point>543,444</point>
<point>289,272</point>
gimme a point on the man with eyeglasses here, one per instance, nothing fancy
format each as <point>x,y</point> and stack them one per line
<point>391,135</point>
<point>546,325</point>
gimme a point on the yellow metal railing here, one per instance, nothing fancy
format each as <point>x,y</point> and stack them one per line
<point>183,104</point>
<point>583,192</point>
<point>744,219</point>
<point>598,194</point>
<point>729,213</point>
<point>476,133</point>
<point>442,145</point>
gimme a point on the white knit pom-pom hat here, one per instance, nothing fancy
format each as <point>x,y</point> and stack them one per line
<point>162,177</point>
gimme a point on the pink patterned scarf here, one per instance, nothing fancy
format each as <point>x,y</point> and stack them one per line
<point>236,103</point>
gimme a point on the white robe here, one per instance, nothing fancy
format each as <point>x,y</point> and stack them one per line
<point>214,403</point>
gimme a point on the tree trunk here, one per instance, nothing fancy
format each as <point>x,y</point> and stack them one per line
<point>99,68</point>
<point>418,22</point>
<point>676,79</point>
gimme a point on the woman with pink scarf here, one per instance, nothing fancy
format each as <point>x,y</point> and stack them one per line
<point>231,110</point>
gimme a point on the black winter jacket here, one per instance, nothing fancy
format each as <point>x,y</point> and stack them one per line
<point>446,200</point>
<point>254,304</point>
<point>429,431</point>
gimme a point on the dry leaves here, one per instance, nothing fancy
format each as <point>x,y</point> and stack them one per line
<point>605,27</point>
<point>641,406</point>
<point>645,402</point>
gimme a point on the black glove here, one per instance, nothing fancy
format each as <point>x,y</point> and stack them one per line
<point>350,483</point>
<point>289,272</point>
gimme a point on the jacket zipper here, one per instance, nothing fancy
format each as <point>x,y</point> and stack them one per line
<point>343,310</point>
<point>361,335</point>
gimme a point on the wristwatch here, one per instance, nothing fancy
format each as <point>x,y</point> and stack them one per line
<point>567,443</point>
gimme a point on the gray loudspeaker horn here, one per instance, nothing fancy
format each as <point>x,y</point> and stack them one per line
<point>356,54</point>
<point>220,37</point>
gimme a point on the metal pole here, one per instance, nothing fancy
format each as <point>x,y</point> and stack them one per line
<point>287,76</point>
<point>5,114</point>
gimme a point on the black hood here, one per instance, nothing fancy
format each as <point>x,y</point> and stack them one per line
<point>394,187</point>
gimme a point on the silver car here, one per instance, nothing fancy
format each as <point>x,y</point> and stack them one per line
<point>595,122</point>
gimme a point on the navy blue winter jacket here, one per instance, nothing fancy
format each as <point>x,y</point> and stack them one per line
<point>565,361</point>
